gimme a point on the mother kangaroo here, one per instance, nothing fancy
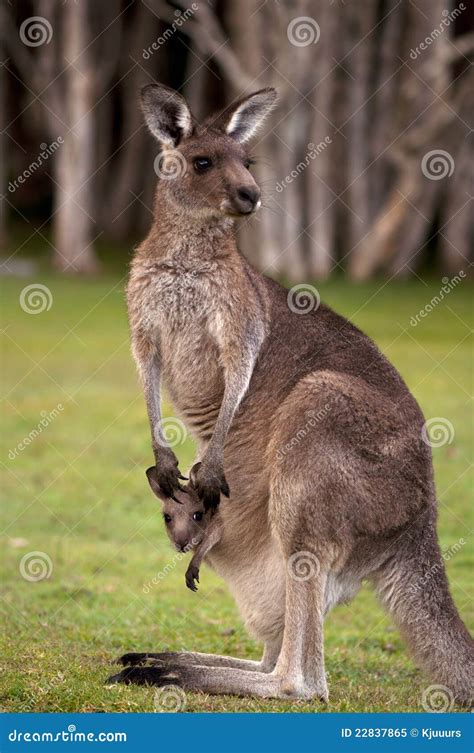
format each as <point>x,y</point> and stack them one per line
<point>298,418</point>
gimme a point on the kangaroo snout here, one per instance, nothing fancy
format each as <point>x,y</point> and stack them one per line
<point>247,199</point>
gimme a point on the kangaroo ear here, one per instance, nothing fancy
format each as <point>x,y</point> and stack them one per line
<point>153,481</point>
<point>166,113</point>
<point>242,119</point>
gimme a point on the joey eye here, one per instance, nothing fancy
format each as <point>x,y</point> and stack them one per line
<point>248,163</point>
<point>197,516</point>
<point>201,164</point>
<point>166,517</point>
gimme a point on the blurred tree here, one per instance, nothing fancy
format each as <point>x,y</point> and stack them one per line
<point>3,138</point>
<point>120,215</point>
<point>362,85</point>
<point>368,91</point>
<point>62,72</point>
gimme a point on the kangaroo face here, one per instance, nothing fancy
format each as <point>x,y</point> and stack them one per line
<point>215,177</point>
<point>185,517</point>
<point>205,169</point>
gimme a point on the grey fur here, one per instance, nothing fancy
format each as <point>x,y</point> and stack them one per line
<point>353,496</point>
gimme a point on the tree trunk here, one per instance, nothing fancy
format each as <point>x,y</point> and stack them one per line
<point>3,154</point>
<point>387,82</point>
<point>319,180</point>
<point>456,234</point>
<point>75,160</point>
<point>132,165</point>
<point>358,62</point>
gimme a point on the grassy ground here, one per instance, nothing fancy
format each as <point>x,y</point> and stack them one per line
<point>78,494</point>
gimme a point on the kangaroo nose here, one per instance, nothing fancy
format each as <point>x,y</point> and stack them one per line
<point>183,544</point>
<point>247,198</point>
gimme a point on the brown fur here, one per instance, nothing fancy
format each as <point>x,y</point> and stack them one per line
<point>188,524</point>
<point>351,490</point>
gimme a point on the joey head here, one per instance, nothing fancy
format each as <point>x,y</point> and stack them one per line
<point>189,526</point>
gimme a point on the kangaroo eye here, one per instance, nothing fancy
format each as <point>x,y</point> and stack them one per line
<point>201,164</point>
<point>167,518</point>
<point>197,516</point>
<point>248,163</point>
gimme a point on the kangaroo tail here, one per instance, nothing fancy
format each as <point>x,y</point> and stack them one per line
<point>412,584</point>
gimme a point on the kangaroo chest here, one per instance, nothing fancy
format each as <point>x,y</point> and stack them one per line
<point>176,305</point>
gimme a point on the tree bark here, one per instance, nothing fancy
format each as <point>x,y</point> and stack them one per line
<point>3,154</point>
<point>321,180</point>
<point>358,62</point>
<point>456,236</point>
<point>129,168</point>
<point>73,223</point>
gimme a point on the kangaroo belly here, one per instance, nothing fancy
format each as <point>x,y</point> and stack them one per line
<point>257,582</point>
<point>193,378</point>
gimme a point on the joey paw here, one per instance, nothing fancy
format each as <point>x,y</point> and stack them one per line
<point>192,575</point>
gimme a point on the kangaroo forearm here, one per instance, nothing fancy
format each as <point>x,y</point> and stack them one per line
<point>152,392</point>
<point>238,352</point>
<point>166,473</point>
<point>230,403</point>
<point>237,382</point>
<point>211,538</point>
<point>208,476</point>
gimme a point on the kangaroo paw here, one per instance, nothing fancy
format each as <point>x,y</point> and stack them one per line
<point>143,676</point>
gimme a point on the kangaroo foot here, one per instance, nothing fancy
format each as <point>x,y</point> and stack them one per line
<point>216,680</point>
<point>133,659</point>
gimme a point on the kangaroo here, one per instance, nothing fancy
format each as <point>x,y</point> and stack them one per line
<point>188,524</point>
<point>297,416</point>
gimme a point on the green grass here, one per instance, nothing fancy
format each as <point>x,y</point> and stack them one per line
<point>78,493</point>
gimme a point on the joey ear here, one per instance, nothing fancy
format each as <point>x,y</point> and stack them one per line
<point>241,120</point>
<point>153,481</point>
<point>166,114</point>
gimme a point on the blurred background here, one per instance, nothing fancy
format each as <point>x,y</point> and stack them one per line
<point>366,169</point>
<point>366,165</point>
